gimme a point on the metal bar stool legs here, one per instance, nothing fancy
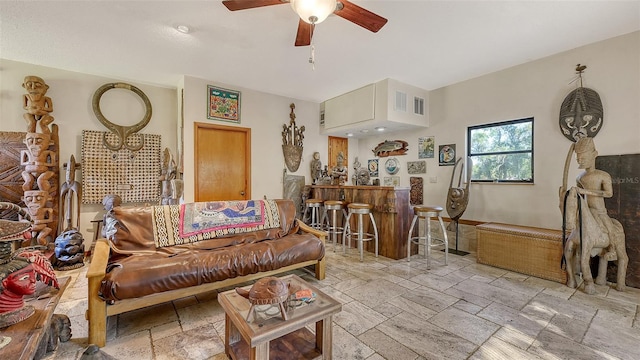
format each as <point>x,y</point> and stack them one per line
<point>331,210</point>
<point>313,206</point>
<point>426,213</point>
<point>360,210</point>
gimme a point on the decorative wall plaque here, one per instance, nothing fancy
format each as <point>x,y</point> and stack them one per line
<point>292,139</point>
<point>581,112</point>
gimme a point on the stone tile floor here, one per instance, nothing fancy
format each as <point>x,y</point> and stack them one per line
<point>394,309</point>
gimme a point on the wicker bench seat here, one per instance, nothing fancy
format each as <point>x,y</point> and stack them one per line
<point>523,249</point>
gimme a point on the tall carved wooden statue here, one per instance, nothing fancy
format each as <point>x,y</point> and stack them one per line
<point>40,161</point>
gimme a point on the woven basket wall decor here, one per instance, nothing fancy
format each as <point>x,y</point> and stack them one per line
<point>131,175</point>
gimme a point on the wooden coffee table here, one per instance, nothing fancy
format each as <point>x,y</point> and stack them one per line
<point>265,337</point>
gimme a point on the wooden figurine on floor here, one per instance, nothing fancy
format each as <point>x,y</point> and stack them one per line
<point>592,231</point>
<point>69,245</point>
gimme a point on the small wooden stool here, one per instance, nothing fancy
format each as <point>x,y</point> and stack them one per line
<point>333,226</point>
<point>426,213</point>
<point>360,209</point>
<point>314,206</point>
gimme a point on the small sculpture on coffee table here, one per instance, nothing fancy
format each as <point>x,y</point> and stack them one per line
<point>267,291</point>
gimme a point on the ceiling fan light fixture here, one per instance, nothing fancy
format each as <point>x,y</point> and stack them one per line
<point>313,11</point>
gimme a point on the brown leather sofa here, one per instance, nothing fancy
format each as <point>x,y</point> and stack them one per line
<point>128,271</point>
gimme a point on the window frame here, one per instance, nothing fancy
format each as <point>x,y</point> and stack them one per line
<point>500,124</point>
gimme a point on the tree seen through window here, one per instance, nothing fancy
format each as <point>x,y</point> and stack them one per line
<point>502,151</point>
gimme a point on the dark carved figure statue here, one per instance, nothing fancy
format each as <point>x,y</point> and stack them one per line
<point>69,250</point>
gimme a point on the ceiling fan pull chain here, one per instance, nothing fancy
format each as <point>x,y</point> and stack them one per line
<point>312,56</point>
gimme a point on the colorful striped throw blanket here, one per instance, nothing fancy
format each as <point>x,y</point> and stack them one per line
<point>188,223</point>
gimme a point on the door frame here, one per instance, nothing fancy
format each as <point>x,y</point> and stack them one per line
<point>247,160</point>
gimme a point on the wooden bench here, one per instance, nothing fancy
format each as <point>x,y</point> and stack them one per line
<point>523,249</point>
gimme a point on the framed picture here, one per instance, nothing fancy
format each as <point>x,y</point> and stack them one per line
<point>417,167</point>
<point>426,146</point>
<point>447,155</point>
<point>224,104</point>
<point>373,168</point>
<point>391,181</point>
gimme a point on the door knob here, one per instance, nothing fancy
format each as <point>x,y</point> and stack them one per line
<point>242,193</point>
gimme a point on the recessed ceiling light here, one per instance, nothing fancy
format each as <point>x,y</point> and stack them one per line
<point>349,134</point>
<point>183,29</point>
<point>380,128</point>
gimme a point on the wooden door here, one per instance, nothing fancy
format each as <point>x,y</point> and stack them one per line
<point>337,144</point>
<point>222,162</point>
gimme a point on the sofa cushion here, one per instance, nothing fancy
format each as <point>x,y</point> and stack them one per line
<point>132,229</point>
<point>148,273</point>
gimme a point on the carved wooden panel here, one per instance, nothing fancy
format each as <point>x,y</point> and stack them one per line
<point>624,205</point>
<point>416,196</point>
<point>10,169</point>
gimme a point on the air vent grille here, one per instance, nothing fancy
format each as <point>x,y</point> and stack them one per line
<point>401,101</point>
<point>418,105</point>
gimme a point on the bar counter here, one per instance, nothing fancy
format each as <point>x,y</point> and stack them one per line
<point>391,211</point>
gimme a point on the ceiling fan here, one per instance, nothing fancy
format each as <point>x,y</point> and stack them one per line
<point>313,12</point>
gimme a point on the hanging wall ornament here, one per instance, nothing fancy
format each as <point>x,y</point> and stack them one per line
<point>292,138</point>
<point>122,132</point>
<point>581,112</point>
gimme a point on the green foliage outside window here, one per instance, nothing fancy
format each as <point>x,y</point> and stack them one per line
<point>502,151</point>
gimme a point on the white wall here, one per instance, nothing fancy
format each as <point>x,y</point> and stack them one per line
<point>71,94</point>
<point>533,89</point>
<point>265,114</point>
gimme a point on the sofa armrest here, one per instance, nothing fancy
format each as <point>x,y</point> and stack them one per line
<point>322,235</point>
<point>97,308</point>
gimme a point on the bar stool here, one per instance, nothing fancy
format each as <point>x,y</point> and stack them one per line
<point>330,217</point>
<point>426,213</point>
<point>314,207</point>
<point>360,209</point>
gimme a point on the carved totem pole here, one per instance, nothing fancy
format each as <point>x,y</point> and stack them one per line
<point>40,160</point>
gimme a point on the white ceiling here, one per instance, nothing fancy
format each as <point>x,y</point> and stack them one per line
<point>428,44</point>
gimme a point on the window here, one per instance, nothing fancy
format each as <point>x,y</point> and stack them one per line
<point>502,152</point>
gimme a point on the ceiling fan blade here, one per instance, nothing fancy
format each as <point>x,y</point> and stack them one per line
<point>305,32</point>
<point>234,5</point>
<point>360,16</point>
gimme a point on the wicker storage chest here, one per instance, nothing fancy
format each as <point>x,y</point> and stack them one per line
<point>523,249</point>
